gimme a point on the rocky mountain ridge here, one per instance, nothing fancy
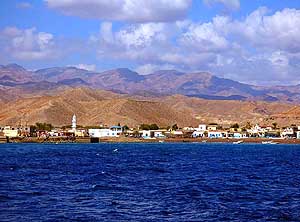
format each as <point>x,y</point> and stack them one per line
<point>14,78</point>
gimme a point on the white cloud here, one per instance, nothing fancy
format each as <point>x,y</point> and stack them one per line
<point>230,5</point>
<point>204,37</point>
<point>124,10</point>
<point>89,67</point>
<point>280,31</point>
<point>150,68</point>
<point>138,42</point>
<point>28,44</point>
<point>11,32</point>
<point>262,46</point>
<point>106,31</point>
<point>279,59</point>
<point>142,35</point>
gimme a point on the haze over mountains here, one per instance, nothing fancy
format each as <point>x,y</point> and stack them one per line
<point>53,95</point>
<point>14,78</point>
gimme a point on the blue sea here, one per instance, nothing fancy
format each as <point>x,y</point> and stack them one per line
<point>149,182</point>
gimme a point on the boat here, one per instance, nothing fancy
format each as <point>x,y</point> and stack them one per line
<point>238,142</point>
<point>269,142</point>
<point>265,142</point>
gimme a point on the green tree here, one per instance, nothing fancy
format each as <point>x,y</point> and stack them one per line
<point>44,126</point>
<point>274,125</point>
<point>144,127</point>
<point>235,126</point>
<point>175,127</point>
<point>154,126</point>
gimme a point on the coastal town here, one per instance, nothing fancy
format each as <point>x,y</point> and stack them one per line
<point>211,132</point>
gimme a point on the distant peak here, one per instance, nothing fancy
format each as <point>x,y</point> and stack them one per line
<point>14,66</point>
<point>125,70</point>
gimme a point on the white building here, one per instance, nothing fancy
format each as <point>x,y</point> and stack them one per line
<point>74,123</point>
<point>53,133</point>
<point>159,134</point>
<point>188,128</point>
<point>256,131</point>
<point>288,132</point>
<point>199,132</point>
<point>217,134</point>
<point>114,131</point>
<point>152,134</point>
<point>146,133</point>
<point>212,127</point>
<point>177,132</point>
<point>238,135</point>
<point>10,131</point>
<point>298,134</point>
<point>201,127</point>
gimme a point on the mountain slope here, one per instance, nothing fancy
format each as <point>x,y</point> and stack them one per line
<point>14,73</point>
<point>93,107</point>
<point>164,82</point>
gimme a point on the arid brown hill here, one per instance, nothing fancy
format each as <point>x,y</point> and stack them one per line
<point>93,107</point>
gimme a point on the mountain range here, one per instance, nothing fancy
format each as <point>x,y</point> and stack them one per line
<point>15,79</point>
<point>165,97</point>
<point>93,107</point>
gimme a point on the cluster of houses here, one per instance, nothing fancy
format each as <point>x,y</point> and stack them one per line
<point>216,132</point>
<point>212,131</point>
<point>256,131</point>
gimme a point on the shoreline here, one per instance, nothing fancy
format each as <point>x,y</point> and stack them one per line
<point>141,140</point>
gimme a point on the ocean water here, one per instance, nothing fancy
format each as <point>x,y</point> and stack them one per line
<point>149,182</point>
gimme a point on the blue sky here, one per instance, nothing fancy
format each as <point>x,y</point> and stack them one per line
<point>250,41</point>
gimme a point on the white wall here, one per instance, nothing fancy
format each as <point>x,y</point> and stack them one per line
<point>201,127</point>
<point>104,133</point>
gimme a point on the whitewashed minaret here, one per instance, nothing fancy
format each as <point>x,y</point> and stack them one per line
<point>74,123</point>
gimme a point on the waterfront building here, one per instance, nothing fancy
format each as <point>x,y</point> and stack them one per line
<point>10,131</point>
<point>114,131</point>
<point>288,133</point>
<point>256,131</point>
<point>188,128</point>
<point>200,131</point>
<point>217,134</point>
<point>15,131</point>
<point>201,128</point>
<point>80,132</point>
<point>198,134</point>
<point>239,135</point>
<point>177,132</point>
<point>212,127</point>
<point>146,134</point>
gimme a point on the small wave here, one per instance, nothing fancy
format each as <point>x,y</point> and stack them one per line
<point>99,187</point>
<point>33,193</point>
<point>4,198</point>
